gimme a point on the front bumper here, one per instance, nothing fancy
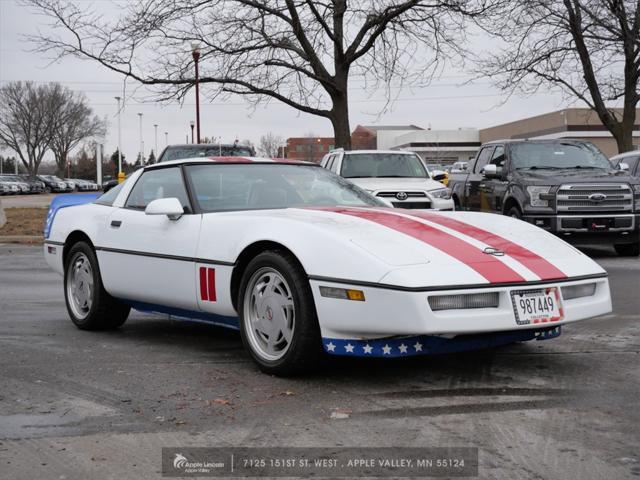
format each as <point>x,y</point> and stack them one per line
<point>589,228</point>
<point>388,312</point>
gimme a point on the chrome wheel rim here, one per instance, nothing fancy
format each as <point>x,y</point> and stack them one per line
<point>80,286</point>
<point>269,314</point>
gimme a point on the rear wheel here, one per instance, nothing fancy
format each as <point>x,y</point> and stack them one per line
<point>278,320</point>
<point>88,303</point>
<point>628,249</point>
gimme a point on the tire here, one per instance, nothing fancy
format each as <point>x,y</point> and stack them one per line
<point>89,305</point>
<point>628,249</point>
<point>47,190</point>
<point>275,302</point>
<point>514,212</point>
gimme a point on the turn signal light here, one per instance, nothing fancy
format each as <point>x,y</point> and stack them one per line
<point>464,301</point>
<point>578,291</point>
<point>343,293</point>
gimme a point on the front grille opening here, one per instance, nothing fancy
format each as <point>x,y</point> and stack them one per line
<point>464,301</point>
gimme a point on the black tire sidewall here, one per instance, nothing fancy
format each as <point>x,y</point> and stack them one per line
<point>89,321</point>
<point>306,341</point>
<point>514,212</point>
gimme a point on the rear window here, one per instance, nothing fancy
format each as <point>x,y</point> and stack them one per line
<point>179,153</point>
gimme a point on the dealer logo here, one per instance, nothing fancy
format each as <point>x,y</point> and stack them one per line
<point>402,195</point>
<point>180,461</point>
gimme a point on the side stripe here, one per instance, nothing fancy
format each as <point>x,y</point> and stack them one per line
<point>488,266</point>
<point>204,292</point>
<point>538,265</point>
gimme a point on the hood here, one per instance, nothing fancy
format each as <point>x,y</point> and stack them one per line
<point>417,249</point>
<point>397,184</point>
<point>558,177</point>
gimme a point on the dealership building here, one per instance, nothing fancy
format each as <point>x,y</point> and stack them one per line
<point>448,146</point>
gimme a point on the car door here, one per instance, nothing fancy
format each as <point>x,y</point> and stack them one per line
<point>150,258</point>
<point>473,187</point>
<point>492,188</point>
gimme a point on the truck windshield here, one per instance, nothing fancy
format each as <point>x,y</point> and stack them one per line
<point>364,165</point>
<point>557,155</point>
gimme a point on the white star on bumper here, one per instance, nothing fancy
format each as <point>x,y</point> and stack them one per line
<point>418,347</point>
<point>331,347</point>
<point>367,348</point>
<point>403,348</point>
<point>386,349</point>
<point>349,348</point>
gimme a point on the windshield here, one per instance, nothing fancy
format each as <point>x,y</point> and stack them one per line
<point>178,153</point>
<point>262,186</point>
<point>362,165</point>
<point>557,155</point>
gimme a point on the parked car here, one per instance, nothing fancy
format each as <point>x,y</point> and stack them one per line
<point>458,167</point>
<point>567,187</point>
<point>398,177</point>
<point>83,185</point>
<point>629,162</point>
<point>54,184</point>
<point>304,263</point>
<point>177,152</point>
<point>23,187</point>
<point>8,187</point>
<point>35,185</point>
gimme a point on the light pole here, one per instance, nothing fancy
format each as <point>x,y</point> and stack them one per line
<point>141,144</point>
<point>119,140</point>
<point>166,139</point>
<point>195,52</point>
<point>192,125</point>
<point>155,126</point>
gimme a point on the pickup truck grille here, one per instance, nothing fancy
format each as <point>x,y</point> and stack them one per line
<point>409,194</point>
<point>594,198</point>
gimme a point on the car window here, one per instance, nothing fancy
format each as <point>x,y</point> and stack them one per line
<point>158,183</point>
<point>266,186</point>
<point>483,158</point>
<point>557,155</point>
<point>329,163</point>
<point>402,165</point>
<point>109,197</point>
<point>498,156</point>
<point>205,150</point>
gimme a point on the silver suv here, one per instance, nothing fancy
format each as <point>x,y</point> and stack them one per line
<point>398,177</point>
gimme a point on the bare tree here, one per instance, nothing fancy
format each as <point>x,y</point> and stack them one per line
<point>270,145</point>
<point>588,48</point>
<point>28,121</point>
<point>299,52</point>
<point>75,123</point>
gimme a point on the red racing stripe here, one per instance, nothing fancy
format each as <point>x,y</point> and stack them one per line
<point>203,284</point>
<point>486,265</point>
<point>212,284</point>
<point>538,265</point>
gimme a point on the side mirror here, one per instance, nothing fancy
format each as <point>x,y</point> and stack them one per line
<point>171,207</point>
<point>439,177</point>
<point>490,171</point>
<point>623,167</point>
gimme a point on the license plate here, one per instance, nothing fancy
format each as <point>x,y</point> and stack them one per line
<point>542,305</point>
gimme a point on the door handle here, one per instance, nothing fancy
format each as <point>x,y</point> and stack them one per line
<point>116,223</point>
<point>482,185</point>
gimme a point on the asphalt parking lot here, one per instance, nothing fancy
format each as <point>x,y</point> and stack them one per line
<point>83,405</point>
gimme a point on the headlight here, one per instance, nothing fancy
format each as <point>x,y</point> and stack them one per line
<point>636,191</point>
<point>444,193</point>
<point>535,193</point>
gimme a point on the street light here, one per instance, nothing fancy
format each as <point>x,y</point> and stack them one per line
<point>119,140</point>
<point>195,53</point>
<point>141,144</point>
<point>192,125</point>
<point>166,139</point>
<point>155,126</point>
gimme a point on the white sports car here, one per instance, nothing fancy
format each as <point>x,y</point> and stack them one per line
<point>302,262</point>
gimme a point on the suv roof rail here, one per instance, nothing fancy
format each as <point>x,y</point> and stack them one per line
<point>339,149</point>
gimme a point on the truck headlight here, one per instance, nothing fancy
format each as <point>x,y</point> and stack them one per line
<point>444,193</point>
<point>535,195</point>
<point>636,192</point>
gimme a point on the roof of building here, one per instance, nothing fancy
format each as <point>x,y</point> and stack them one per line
<point>377,128</point>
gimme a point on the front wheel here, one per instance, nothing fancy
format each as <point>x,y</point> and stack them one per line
<point>278,321</point>
<point>628,249</point>
<point>88,303</point>
<point>514,212</point>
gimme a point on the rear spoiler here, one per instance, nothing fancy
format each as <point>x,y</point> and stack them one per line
<point>64,201</point>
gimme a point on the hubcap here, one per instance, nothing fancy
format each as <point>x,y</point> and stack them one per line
<point>269,314</point>
<point>80,285</point>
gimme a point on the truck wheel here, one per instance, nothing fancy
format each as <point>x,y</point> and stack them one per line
<point>514,212</point>
<point>88,303</point>
<point>628,249</point>
<point>278,321</point>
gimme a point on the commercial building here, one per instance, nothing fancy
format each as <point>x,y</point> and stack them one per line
<point>311,149</point>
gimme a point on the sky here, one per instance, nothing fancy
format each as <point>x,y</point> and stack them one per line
<point>449,102</point>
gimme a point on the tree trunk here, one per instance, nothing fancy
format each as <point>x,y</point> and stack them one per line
<point>624,138</point>
<point>3,218</point>
<point>340,122</point>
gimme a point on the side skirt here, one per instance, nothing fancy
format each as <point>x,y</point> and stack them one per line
<point>187,315</point>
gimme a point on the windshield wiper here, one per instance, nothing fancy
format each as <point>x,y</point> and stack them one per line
<point>587,167</point>
<point>535,167</point>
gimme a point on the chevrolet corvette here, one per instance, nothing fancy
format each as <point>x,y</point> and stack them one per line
<point>304,263</point>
